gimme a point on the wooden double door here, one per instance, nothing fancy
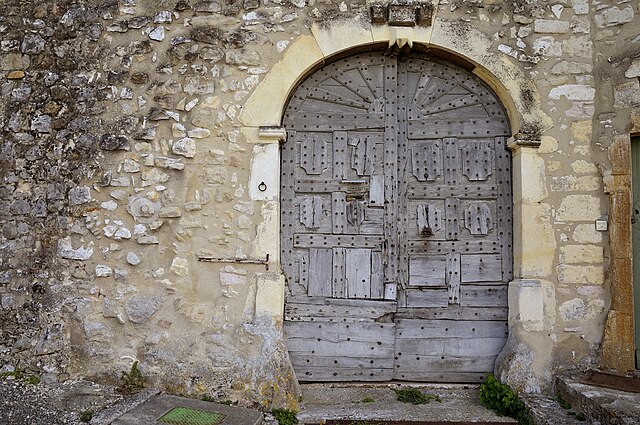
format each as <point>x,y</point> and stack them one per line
<point>396,222</point>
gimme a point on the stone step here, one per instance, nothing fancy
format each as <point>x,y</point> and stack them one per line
<point>601,406</point>
<point>547,411</point>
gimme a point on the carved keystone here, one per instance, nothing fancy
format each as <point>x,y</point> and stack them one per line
<point>402,15</point>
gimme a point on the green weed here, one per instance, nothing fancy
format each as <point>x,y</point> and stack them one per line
<point>501,399</point>
<point>132,381</point>
<point>285,416</point>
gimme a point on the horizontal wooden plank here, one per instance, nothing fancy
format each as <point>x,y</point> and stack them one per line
<point>431,297</point>
<point>420,328</point>
<point>450,346</point>
<point>445,363</point>
<point>427,128</point>
<point>449,377</point>
<point>454,312</point>
<point>484,295</point>
<point>481,268</point>
<point>299,359</point>
<point>324,374</point>
<point>427,270</point>
<point>436,191</point>
<point>315,121</point>
<point>307,312</point>
<point>309,240</point>
<point>340,302</point>
<point>338,349</point>
<point>328,186</point>
<point>377,333</point>
<point>428,245</point>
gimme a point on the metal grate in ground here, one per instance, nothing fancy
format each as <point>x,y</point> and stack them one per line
<point>188,416</point>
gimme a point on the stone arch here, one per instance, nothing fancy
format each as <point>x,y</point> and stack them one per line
<point>518,94</point>
<point>261,118</point>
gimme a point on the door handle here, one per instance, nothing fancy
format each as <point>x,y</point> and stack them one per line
<point>354,181</point>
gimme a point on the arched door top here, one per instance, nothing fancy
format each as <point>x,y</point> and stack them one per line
<point>517,93</point>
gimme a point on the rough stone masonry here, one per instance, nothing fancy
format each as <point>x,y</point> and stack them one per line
<point>124,159</point>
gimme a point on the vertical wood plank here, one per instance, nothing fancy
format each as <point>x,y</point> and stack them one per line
<point>477,162</point>
<point>358,273</point>
<point>320,271</point>
<point>453,277</point>
<point>376,190</point>
<point>452,224</point>
<point>478,218</point>
<point>311,211</point>
<point>504,213</point>
<point>338,212</point>
<point>339,155</point>
<point>391,169</point>
<point>451,160</point>
<point>339,289</point>
<point>313,155</point>
<point>377,275</point>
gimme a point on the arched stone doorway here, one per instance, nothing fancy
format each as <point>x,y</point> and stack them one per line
<point>396,222</point>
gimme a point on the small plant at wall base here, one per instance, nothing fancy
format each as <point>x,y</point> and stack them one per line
<point>501,399</point>
<point>132,381</point>
<point>285,416</point>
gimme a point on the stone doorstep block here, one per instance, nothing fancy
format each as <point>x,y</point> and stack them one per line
<point>151,410</point>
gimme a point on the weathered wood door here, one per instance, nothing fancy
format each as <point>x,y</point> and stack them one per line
<point>396,222</point>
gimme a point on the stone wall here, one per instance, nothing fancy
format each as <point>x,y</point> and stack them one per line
<point>125,159</point>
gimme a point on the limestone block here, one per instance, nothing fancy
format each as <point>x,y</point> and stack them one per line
<point>180,266</point>
<point>79,195</point>
<point>579,208</point>
<point>534,241</point>
<point>614,16</point>
<point>627,95</point>
<point>270,295</point>
<point>265,172</point>
<point>66,250</point>
<point>551,26</point>
<point>573,92</point>
<point>548,144</point>
<point>586,233</point>
<point>572,275</point>
<point>564,67</point>
<point>576,184</point>
<point>547,46</point>
<point>580,7</point>
<point>526,304</point>
<point>575,254</point>
<point>583,167</point>
<point>268,233</point>
<point>133,258</point>
<point>634,69</point>
<point>578,47</point>
<point>529,176</point>
<point>102,270</point>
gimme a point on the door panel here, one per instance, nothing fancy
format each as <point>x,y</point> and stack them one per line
<point>396,222</point>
